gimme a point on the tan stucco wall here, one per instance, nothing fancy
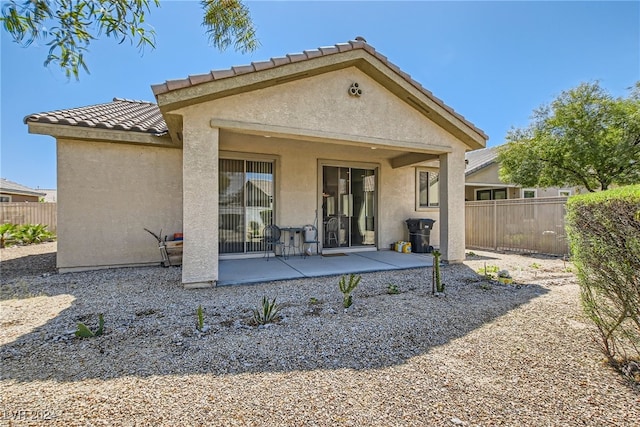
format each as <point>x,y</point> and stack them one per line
<point>322,105</point>
<point>107,194</point>
<point>297,174</point>
<point>487,175</point>
<point>200,205</point>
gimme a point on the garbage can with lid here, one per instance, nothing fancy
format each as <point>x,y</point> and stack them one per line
<point>419,233</point>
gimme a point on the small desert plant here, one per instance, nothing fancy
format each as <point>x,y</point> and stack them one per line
<point>314,301</point>
<point>200,315</point>
<point>347,287</point>
<point>438,286</point>
<point>83,330</point>
<point>489,271</point>
<point>393,289</point>
<point>485,286</point>
<point>26,234</point>
<point>535,265</point>
<point>266,312</point>
<point>33,233</point>
<point>7,234</point>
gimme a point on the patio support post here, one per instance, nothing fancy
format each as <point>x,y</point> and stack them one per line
<point>452,243</point>
<point>200,203</point>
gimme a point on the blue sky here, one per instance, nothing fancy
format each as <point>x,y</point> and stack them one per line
<point>492,62</point>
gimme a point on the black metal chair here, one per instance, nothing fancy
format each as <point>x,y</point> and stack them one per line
<point>309,237</point>
<point>271,239</point>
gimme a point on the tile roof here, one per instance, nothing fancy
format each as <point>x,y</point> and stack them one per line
<point>120,114</point>
<point>7,186</point>
<point>145,117</point>
<point>358,43</point>
<point>479,159</point>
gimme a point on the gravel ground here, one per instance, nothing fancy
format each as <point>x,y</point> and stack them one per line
<point>483,354</point>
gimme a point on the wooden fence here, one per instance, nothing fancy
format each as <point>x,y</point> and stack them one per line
<point>521,225</point>
<point>30,213</point>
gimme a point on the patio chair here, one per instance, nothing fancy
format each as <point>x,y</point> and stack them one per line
<point>332,231</point>
<point>271,239</point>
<point>310,237</point>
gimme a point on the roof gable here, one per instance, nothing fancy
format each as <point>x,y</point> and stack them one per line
<point>175,94</point>
<point>140,122</point>
<point>480,159</point>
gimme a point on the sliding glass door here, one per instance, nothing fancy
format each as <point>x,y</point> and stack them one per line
<point>245,205</point>
<point>348,206</point>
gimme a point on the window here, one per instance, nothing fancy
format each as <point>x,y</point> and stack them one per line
<point>564,193</point>
<point>5,199</point>
<point>245,203</point>
<point>495,194</point>
<point>427,189</point>
<point>528,193</point>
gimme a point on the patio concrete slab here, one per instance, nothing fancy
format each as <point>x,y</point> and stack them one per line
<point>256,270</point>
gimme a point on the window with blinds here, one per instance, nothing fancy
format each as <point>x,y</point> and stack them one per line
<point>245,204</point>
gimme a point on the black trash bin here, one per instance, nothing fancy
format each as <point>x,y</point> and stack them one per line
<point>419,232</point>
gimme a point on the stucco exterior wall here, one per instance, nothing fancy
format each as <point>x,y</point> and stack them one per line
<point>310,121</point>
<point>487,175</point>
<point>297,174</point>
<point>107,194</point>
<point>323,104</point>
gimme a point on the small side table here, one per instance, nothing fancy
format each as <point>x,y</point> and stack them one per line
<point>294,238</point>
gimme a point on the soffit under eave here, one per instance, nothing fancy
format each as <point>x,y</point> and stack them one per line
<point>429,107</point>
<point>100,135</point>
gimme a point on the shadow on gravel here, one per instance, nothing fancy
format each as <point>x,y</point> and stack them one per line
<point>156,334</point>
<point>38,264</point>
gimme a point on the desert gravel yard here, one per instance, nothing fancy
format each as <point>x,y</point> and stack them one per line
<point>484,354</point>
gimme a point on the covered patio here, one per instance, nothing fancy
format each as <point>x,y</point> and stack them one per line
<point>256,270</point>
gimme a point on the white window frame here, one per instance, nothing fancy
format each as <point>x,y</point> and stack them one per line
<point>429,206</point>
<point>564,190</point>
<point>5,196</point>
<point>523,190</point>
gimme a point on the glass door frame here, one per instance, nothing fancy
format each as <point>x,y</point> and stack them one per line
<point>351,165</point>
<point>252,157</point>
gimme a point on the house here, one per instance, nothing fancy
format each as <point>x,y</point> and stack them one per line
<point>332,133</point>
<point>13,192</point>
<point>482,181</point>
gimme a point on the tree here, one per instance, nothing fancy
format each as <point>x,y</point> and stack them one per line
<point>69,26</point>
<point>585,138</point>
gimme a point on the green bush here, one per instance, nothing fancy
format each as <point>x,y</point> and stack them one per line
<point>7,234</point>
<point>604,233</point>
<point>27,234</point>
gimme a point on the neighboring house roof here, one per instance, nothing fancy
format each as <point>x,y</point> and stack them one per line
<point>264,185</point>
<point>480,159</point>
<point>121,114</point>
<point>10,187</point>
